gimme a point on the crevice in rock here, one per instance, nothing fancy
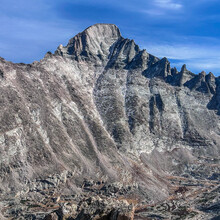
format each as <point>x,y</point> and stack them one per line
<point>152,113</point>
<point>1,74</point>
<point>182,115</point>
<point>156,107</point>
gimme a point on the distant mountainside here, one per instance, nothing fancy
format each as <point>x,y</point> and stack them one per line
<point>104,130</point>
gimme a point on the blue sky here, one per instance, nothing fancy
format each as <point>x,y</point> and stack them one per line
<point>184,31</point>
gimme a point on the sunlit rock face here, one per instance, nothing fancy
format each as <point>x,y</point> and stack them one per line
<point>101,108</point>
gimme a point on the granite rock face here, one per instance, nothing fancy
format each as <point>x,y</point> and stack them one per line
<point>102,109</point>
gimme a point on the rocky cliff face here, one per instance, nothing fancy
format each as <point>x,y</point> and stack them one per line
<point>101,111</point>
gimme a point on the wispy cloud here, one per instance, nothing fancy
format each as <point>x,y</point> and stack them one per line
<point>153,12</point>
<point>180,52</point>
<point>168,4</point>
<point>162,7</point>
<point>199,65</point>
<point>196,57</point>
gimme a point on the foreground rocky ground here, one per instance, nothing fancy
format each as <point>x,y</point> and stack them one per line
<point>190,199</point>
<point>104,130</point>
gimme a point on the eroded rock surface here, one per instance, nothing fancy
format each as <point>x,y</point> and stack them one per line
<point>102,110</point>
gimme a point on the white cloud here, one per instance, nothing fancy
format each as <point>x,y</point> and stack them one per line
<point>199,65</point>
<point>168,4</point>
<point>196,57</point>
<point>180,52</point>
<point>162,7</point>
<point>153,12</point>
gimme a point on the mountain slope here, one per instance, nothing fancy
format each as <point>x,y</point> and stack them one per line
<point>102,109</point>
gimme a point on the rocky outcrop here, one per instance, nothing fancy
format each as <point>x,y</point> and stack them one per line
<point>95,208</point>
<point>101,109</point>
<point>93,44</point>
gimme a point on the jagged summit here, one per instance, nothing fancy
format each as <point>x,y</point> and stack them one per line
<point>94,41</point>
<point>103,44</point>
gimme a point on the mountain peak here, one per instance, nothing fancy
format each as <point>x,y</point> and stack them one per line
<point>93,42</point>
<point>183,69</point>
<point>103,30</point>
